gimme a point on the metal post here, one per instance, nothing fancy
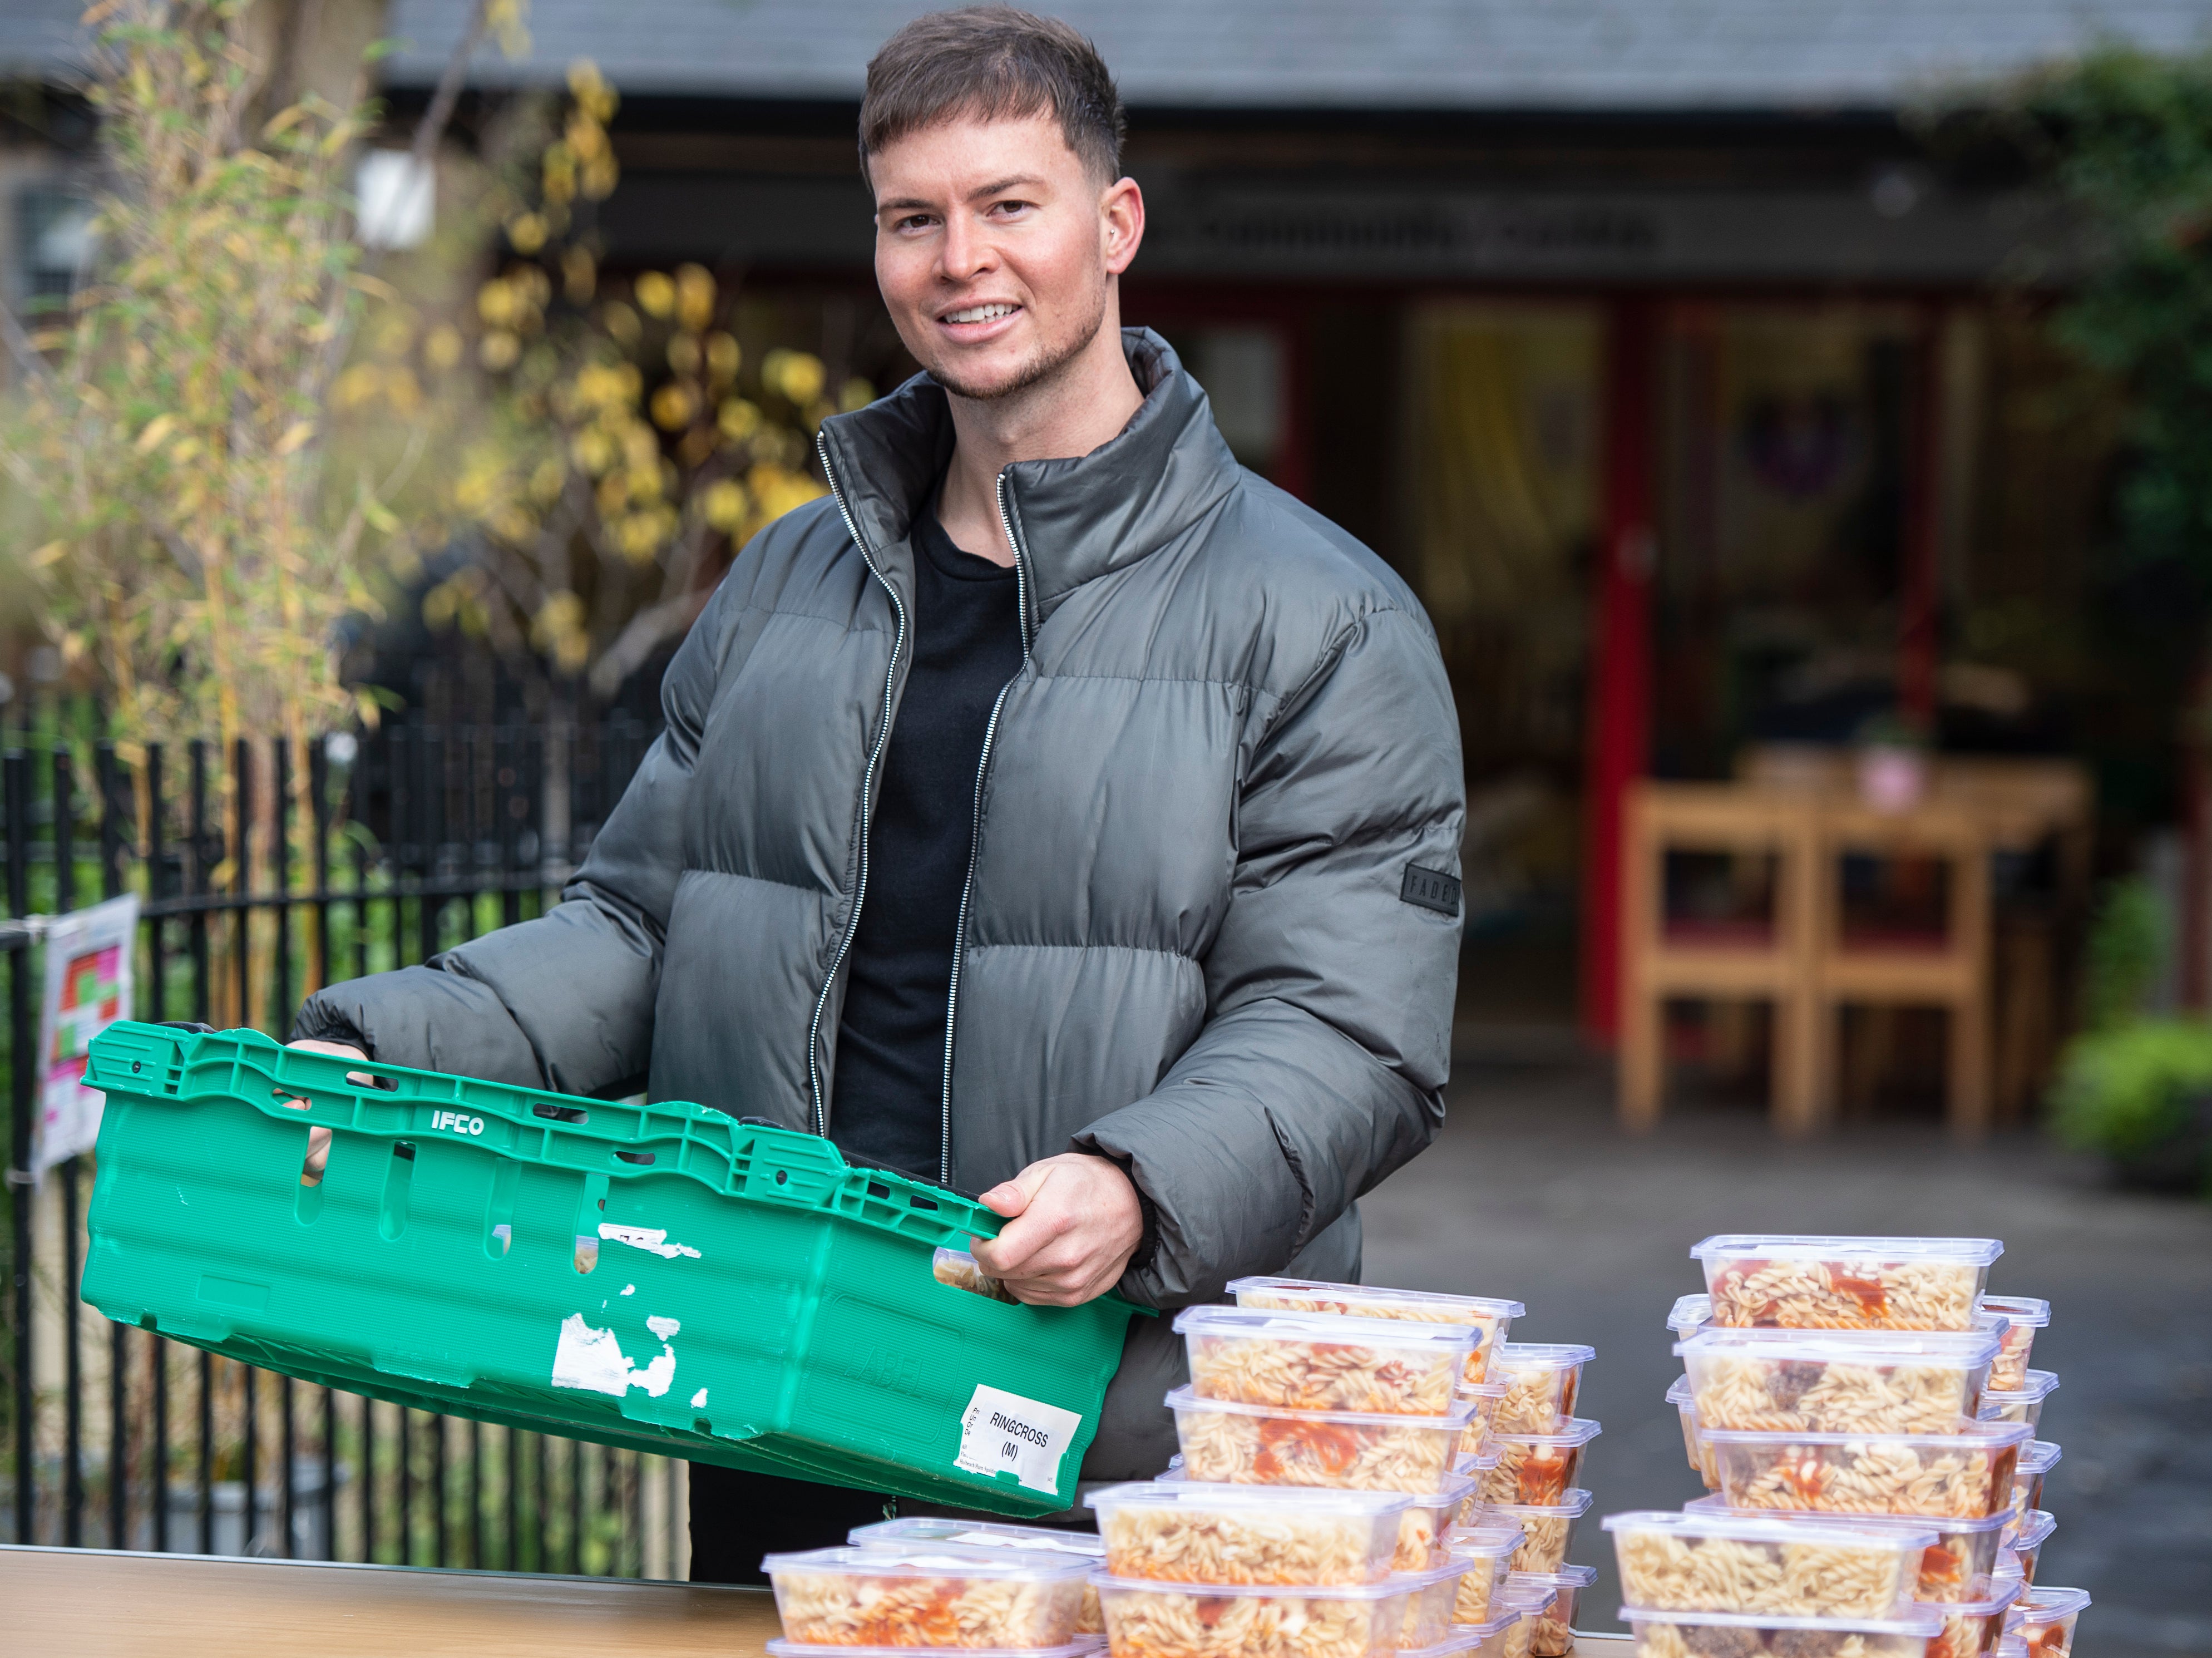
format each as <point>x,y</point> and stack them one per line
<point>112,820</point>
<point>64,809</point>
<point>157,1006</point>
<point>16,770</point>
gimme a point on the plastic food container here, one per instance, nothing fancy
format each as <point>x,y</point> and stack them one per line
<point>2024,1315</point>
<point>2044,1620</point>
<point>1694,1313</point>
<point>1542,1380</point>
<point>1795,1568</point>
<point>1428,1516</point>
<point>2021,1404</point>
<point>1966,1473</point>
<point>1486,1397</point>
<point>1490,1319</point>
<point>1227,1620</point>
<point>2036,1458</point>
<point>959,1269</point>
<point>1971,1627</point>
<point>1546,1527</point>
<point>1964,1551</point>
<point>1539,1469</point>
<point>1082,1647</point>
<point>1552,1635</point>
<point>1768,1635</point>
<point>1227,1442</point>
<point>1317,1361</point>
<point>1527,1603</point>
<point>923,1531</point>
<point>1487,1552</point>
<point>926,1597</point>
<point>1807,1282</point>
<point>1819,1381</point>
<point>1693,1447</point>
<point>2035,1530</point>
<point>1180,1532</point>
<point>1485,1639</point>
<point>1431,1610</point>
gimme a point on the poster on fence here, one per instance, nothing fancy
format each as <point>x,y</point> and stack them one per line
<point>88,959</point>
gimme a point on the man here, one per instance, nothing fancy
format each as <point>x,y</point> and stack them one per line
<point>1055,810</point>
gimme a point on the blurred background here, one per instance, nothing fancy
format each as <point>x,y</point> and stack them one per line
<point>1795,418</point>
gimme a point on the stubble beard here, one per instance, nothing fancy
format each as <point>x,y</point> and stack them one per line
<point>1049,363</point>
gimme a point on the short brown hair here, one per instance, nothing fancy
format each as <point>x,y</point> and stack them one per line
<point>994,63</point>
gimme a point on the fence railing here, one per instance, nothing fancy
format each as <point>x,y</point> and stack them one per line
<point>254,891</point>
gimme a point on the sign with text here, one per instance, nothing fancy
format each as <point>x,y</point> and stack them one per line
<point>88,985</point>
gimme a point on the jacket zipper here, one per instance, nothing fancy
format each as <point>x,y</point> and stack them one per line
<point>975,834</point>
<point>867,786</point>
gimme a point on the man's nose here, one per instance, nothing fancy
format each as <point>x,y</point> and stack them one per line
<point>966,252</point>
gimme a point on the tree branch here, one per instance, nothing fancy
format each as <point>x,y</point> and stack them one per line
<point>450,82</point>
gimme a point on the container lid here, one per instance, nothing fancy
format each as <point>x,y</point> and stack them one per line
<point>1541,1355</point>
<point>1398,1582</point>
<point>1483,1541</point>
<point>1946,1525</point>
<point>915,1529</point>
<point>2010,1646</point>
<point>1480,1390</point>
<point>1457,1488</point>
<point>1572,1504</point>
<point>2037,1455</point>
<point>1575,1430</point>
<point>1355,1295</point>
<point>1678,1392</point>
<point>1462,1637</point>
<point>2046,1602</point>
<point>1991,1594</point>
<point>1474,1462</point>
<point>1767,1527</point>
<point>1265,1324</point>
<point>1525,1599</point>
<point>1688,1312</point>
<point>1567,1577</point>
<point>1916,1620</point>
<point>2041,1384</point>
<point>1301,1499</point>
<point>1980,1435</point>
<point>920,1560</point>
<point>2031,1310</point>
<point>781,1647</point>
<point>1182,1399</point>
<point>1794,1246</point>
<point>1966,1348</point>
<point>2035,1527</point>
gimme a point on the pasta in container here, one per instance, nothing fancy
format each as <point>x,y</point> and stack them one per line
<point>1789,1381</point>
<point>1528,1603</point>
<point>2035,1530</point>
<point>1546,1529</point>
<point>1227,1443</point>
<point>1967,1473</point>
<point>1485,1398</point>
<point>1225,1620</point>
<point>1542,1380</point>
<point>1806,1283</point>
<point>1428,1516</point>
<point>1317,1361</point>
<point>1694,1313</point>
<point>2021,1404</point>
<point>2024,1315</point>
<point>960,1269</point>
<point>2036,1458</point>
<point>1798,1568</point>
<point>1180,1532</point>
<point>922,1530</point>
<point>1431,1607</point>
<point>1489,1318</point>
<point>1089,1646</point>
<point>1551,1631</point>
<point>1971,1627</point>
<point>1485,1639</point>
<point>1768,1635</point>
<point>927,1597</point>
<point>1539,1469</point>
<point>1964,1552</point>
<point>1487,1553</point>
<point>1701,1460</point>
<point>2044,1620</point>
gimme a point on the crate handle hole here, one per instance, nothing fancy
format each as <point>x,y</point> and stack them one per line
<point>642,1159</point>
<point>561,1113</point>
<point>311,1166</point>
<point>587,1253</point>
<point>290,1100</point>
<point>782,1176</point>
<point>363,1079</point>
<point>398,1179</point>
<point>878,1191</point>
<point>917,1201</point>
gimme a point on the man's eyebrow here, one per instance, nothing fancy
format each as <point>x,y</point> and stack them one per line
<point>996,187</point>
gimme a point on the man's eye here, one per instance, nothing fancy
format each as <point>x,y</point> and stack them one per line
<point>912,221</point>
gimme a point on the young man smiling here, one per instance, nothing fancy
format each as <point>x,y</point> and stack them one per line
<point>1057,810</point>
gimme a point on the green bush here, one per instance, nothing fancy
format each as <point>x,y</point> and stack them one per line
<point>2127,945</point>
<point>2130,1091</point>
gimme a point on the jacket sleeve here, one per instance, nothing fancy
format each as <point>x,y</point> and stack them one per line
<point>1321,1065</point>
<point>566,1001</point>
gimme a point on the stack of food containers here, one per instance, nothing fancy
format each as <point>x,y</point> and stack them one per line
<point>892,1596</point>
<point>1831,1400</point>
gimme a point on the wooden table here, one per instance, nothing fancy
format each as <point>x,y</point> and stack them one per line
<point>92,1603</point>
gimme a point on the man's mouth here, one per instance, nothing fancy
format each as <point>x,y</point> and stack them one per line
<point>971,313</point>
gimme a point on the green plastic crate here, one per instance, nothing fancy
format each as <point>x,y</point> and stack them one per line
<point>663,1278</point>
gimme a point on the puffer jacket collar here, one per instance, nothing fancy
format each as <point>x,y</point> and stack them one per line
<point>1074,519</point>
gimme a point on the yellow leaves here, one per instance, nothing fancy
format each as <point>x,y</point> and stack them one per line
<point>558,630</point>
<point>357,385</point>
<point>593,450</point>
<point>723,504</point>
<point>778,489</point>
<point>621,323</point>
<point>591,91</point>
<point>608,385</point>
<point>638,536</point>
<point>526,232</point>
<point>684,352</point>
<point>796,376</point>
<point>855,393</point>
<point>656,293</point>
<point>441,348</point>
<point>499,351</point>
<point>558,175</point>
<point>641,449</point>
<point>50,554</point>
<point>295,437</point>
<point>695,296</point>
<point>598,179</point>
<point>673,405</point>
<point>579,275</point>
<point>157,429</point>
<point>500,303</point>
<point>723,356</point>
<point>511,523</point>
<point>738,419</point>
<point>546,479</point>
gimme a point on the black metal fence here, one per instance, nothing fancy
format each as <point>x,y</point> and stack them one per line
<point>255,890</point>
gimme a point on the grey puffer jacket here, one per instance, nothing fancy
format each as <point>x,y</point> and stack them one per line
<point>1212,926</point>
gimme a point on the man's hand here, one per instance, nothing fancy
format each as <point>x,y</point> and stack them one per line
<point>319,1137</point>
<point>1075,1223</point>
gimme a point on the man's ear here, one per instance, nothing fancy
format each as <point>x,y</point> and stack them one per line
<point>1121,207</point>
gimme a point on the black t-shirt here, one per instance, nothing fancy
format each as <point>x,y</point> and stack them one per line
<point>967,643</point>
